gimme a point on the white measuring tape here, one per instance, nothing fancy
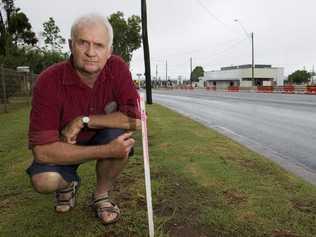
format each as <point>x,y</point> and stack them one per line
<point>146,165</point>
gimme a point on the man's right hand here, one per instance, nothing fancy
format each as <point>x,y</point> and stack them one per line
<point>121,146</point>
<point>71,131</point>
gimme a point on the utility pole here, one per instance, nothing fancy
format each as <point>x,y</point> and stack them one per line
<point>252,60</point>
<point>191,69</point>
<point>166,71</point>
<point>146,53</point>
<point>252,51</point>
<point>156,80</point>
<point>313,75</point>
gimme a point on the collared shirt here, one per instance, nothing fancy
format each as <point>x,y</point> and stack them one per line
<point>59,96</point>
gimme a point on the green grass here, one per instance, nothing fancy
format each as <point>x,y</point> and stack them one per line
<point>15,103</point>
<point>203,185</point>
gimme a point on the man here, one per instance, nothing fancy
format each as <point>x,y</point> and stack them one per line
<point>81,109</point>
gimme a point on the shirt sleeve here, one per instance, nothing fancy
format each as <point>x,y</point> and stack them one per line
<point>125,92</point>
<point>45,113</point>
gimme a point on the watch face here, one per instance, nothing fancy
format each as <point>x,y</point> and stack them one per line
<point>85,119</point>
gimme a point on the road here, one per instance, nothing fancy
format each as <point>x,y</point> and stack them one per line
<point>281,127</point>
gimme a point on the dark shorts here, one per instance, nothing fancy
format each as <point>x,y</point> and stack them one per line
<point>69,172</point>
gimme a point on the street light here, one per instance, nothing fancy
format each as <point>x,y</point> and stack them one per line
<point>249,36</point>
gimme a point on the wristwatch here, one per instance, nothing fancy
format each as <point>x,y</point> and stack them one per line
<point>85,121</point>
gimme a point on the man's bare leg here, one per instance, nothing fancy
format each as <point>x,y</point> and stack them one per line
<point>106,171</point>
<point>48,182</point>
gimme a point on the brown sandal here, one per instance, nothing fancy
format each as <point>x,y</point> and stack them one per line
<point>101,204</point>
<point>65,205</point>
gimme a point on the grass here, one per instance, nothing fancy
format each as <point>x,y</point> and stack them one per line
<point>203,185</point>
<point>14,103</point>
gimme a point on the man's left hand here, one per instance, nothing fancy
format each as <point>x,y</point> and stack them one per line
<point>71,131</point>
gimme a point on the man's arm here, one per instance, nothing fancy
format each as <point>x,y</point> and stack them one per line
<point>61,153</point>
<point>112,120</point>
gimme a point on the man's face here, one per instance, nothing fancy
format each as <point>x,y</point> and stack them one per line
<point>90,49</point>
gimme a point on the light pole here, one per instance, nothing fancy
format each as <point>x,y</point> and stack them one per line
<point>146,52</point>
<point>250,36</point>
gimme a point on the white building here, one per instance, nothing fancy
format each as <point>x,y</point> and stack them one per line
<point>264,75</point>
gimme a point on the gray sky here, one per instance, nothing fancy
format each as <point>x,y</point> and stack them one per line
<point>284,31</point>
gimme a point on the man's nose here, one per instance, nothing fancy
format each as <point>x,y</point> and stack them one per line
<point>91,50</point>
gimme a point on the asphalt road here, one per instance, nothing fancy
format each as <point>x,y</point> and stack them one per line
<point>281,127</point>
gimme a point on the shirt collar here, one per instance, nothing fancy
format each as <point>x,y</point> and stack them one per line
<point>70,76</point>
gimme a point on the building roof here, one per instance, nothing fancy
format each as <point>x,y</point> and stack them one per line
<point>246,66</point>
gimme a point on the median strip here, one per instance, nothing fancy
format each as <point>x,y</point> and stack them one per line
<point>203,184</point>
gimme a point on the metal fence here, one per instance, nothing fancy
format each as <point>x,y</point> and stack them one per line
<point>15,88</point>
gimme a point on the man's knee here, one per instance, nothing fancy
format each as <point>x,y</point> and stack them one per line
<point>46,182</point>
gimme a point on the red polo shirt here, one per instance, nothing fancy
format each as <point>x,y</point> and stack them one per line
<point>59,96</point>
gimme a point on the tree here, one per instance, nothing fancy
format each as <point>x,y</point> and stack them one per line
<point>197,72</point>
<point>36,58</point>
<point>52,38</point>
<point>6,7</point>
<point>20,30</point>
<point>299,77</point>
<point>40,60</point>
<point>127,36</point>
<point>15,28</point>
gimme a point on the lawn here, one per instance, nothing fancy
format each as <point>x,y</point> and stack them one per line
<point>204,184</point>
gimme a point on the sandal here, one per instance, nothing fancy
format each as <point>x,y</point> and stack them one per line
<point>101,204</point>
<point>64,205</point>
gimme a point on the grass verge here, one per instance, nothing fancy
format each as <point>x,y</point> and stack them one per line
<point>203,185</point>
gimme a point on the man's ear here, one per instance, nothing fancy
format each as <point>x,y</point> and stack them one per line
<point>70,44</point>
<point>110,52</point>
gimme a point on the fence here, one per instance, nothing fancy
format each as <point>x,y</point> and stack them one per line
<point>15,88</point>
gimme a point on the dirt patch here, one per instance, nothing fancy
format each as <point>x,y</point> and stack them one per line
<point>164,145</point>
<point>10,200</point>
<point>164,208</point>
<point>249,164</point>
<point>234,197</point>
<point>177,230</point>
<point>110,234</point>
<point>180,201</point>
<point>283,233</point>
<point>6,204</point>
<point>246,216</point>
<point>307,206</point>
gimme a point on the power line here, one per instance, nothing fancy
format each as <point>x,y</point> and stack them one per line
<point>156,59</point>
<point>215,17</point>
<point>213,54</point>
<point>223,52</point>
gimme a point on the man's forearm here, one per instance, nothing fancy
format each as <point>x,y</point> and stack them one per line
<point>114,120</point>
<point>61,153</point>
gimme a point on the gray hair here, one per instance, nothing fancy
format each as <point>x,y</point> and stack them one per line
<point>93,18</point>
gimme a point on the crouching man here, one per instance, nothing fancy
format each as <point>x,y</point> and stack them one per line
<point>81,111</point>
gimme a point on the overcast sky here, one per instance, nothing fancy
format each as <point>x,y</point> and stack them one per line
<point>284,31</point>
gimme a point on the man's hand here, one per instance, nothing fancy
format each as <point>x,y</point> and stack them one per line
<point>121,146</point>
<point>71,131</point>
